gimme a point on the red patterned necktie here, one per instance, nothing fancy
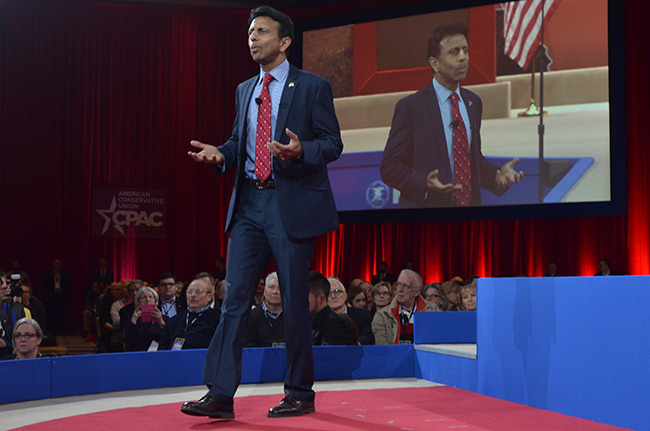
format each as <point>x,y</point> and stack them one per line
<point>262,154</point>
<point>462,172</point>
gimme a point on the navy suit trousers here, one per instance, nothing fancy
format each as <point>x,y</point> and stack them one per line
<point>257,233</point>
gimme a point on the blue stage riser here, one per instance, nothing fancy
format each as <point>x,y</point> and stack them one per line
<point>575,345</point>
<point>449,370</point>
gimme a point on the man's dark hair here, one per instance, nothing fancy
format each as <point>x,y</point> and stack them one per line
<point>204,274</point>
<point>221,260</point>
<point>440,32</point>
<point>318,284</point>
<point>285,29</point>
<point>2,273</point>
<point>606,262</point>
<point>164,276</point>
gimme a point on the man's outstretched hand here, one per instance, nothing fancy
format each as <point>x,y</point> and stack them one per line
<point>434,184</point>
<point>207,154</point>
<point>507,176</point>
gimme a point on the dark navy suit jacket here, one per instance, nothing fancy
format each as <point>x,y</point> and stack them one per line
<point>304,193</point>
<point>416,146</point>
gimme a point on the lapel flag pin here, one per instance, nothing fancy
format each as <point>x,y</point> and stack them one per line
<point>291,84</point>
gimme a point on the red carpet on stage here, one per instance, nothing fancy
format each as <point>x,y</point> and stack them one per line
<point>436,408</point>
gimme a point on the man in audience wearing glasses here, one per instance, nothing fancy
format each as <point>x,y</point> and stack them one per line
<point>360,317</point>
<point>194,327</point>
<point>169,304</point>
<point>394,324</point>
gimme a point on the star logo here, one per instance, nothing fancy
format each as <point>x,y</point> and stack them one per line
<point>107,218</point>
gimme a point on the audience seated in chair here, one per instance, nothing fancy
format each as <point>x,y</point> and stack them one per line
<point>143,329</point>
<point>27,337</point>
<point>266,322</point>
<point>451,290</point>
<point>382,294</point>
<point>194,327</point>
<point>167,287</point>
<point>327,327</point>
<point>432,293</point>
<point>394,324</point>
<point>468,295</point>
<point>360,317</point>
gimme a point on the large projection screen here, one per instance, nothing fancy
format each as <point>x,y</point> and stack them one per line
<point>375,60</point>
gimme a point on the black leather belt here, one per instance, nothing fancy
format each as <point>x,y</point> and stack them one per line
<point>260,185</point>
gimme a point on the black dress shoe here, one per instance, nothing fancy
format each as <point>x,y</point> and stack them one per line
<point>291,406</point>
<point>208,406</point>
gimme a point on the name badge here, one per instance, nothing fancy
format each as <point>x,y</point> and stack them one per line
<point>178,343</point>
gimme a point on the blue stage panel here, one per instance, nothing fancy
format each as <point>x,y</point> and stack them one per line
<point>89,374</point>
<point>445,327</point>
<point>363,362</point>
<point>574,345</point>
<point>449,370</point>
<point>23,380</point>
<point>263,364</point>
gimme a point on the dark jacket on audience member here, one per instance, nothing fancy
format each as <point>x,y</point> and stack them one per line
<point>138,336</point>
<point>263,330</point>
<point>362,319</point>
<point>197,335</point>
<point>328,328</point>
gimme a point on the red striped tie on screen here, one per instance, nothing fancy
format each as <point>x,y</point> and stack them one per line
<point>462,172</point>
<point>262,154</point>
<point>522,25</point>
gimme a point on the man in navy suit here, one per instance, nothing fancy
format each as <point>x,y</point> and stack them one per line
<point>419,156</point>
<point>273,212</point>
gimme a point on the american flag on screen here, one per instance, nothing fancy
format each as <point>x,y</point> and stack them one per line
<point>522,25</point>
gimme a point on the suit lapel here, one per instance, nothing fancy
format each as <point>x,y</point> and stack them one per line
<point>437,129</point>
<point>247,93</point>
<point>285,102</point>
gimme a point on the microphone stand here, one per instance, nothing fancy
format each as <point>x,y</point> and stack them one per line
<point>540,128</point>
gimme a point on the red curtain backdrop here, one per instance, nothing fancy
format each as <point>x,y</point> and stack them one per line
<point>97,94</point>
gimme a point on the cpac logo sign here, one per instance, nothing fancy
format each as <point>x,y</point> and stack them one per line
<point>133,213</point>
<point>128,217</point>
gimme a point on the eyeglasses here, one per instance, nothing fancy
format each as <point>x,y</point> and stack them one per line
<point>27,336</point>
<point>366,289</point>
<point>167,284</point>
<point>400,286</point>
<point>195,292</point>
<point>336,292</point>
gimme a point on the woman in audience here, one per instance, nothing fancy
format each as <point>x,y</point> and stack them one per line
<point>140,331</point>
<point>468,296</point>
<point>27,337</point>
<point>382,293</point>
<point>433,295</point>
<point>357,297</point>
<point>451,290</point>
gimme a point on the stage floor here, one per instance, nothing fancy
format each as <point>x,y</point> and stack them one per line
<point>31,412</point>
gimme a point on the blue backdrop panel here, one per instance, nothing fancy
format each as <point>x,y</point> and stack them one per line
<point>88,374</point>
<point>449,370</point>
<point>363,362</point>
<point>27,379</point>
<point>575,345</point>
<point>437,328</point>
